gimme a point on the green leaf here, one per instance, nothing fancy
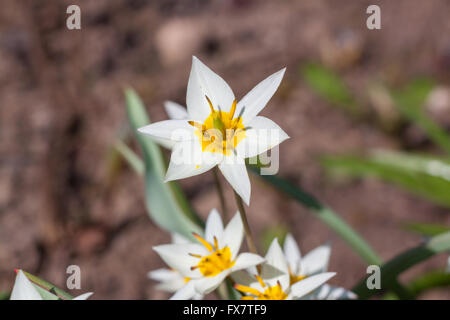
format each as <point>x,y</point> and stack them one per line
<point>427,229</point>
<point>410,100</point>
<point>4,295</point>
<point>165,202</point>
<point>47,290</point>
<point>326,215</point>
<point>133,160</point>
<point>272,232</point>
<point>402,262</point>
<point>428,281</point>
<point>329,86</point>
<point>426,176</point>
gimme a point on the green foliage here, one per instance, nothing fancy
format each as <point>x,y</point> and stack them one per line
<point>410,100</point>
<point>329,86</point>
<point>426,176</point>
<point>427,229</point>
<point>166,204</point>
<point>326,215</point>
<point>402,262</point>
<point>270,233</point>
<point>47,290</point>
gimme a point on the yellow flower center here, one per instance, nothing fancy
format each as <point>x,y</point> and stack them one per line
<point>213,264</point>
<point>270,293</point>
<point>220,133</point>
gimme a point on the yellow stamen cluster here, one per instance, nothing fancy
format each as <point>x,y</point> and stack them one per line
<point>213,264</point>
<point>269,293</point>
<point>220,133</point>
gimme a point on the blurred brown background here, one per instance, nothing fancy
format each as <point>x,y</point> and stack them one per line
<point>65,198</point>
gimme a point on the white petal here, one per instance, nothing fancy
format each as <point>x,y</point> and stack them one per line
<point>186,292</point>
<point>262,134</point>
<point>175,130</point>
<point>166,143</point>
<point>207,284</point>
<point>204,82</point>
<point>327,292</point>
<point>235,172</point>
<point>23,289</point>
<point>243,277</point>
<point>177,257</point>
<point>188,160</point>
<point>83,296</point>
<point>292,253</point>
<point>163,274</point>
<point>214,228</point>
<point>275,268</point>
<point>234,234</point>
<point>257,98</point>
<point>316,261</point>
<point>246,260</point>
<point>305,286</point>
<point>175,111</point>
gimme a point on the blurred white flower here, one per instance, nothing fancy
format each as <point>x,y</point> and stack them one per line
<point>171,280</point>
<point>273,283</point>
<point>24,289</point>
<point>208,264</point>
<point>314,262</point>
<point>219,130</point>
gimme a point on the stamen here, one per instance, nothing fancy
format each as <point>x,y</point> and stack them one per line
<point>207,245</point>
<point>216,243</point>
<point>260,280</point>
<point>247,298</point>
<point>193,268</point>
<point>247,289</point>
<point>210,104</point>
<point>195,255</point>
<point>197,125</point>
<point>233,109</point>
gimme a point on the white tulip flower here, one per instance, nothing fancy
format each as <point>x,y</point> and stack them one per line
<point>273,283</point>
<point>24,289</point>
<point>171,280</point>
<point>219,130</point>
<point>207,264</point>
<point>314,262</point>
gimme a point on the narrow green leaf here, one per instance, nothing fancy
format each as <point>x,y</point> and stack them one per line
<point>47,290</point>
<point>4,295</point>
<point>427,229</point>
<point>165,202</point>
<point>426,176</point>
<point>402,262</point>
<point>329,86</point>
<point>325,214</point>
<point>410,101</point>
<point>428,281</point>
<point>133,160</point>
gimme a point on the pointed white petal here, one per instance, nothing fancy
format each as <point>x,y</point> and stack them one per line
<point>257,98</point>
<point>233,235</point>
<point>243,277</point>
<point>306,286</point>
<point>275,268</point>
<point>175,111</point>
<point>292,253</point>
<point>163,274</point>
<point>175,130</point>
<point>316,261</point>
<point>83,296</point>
<point>235,172</point>
<point>214,228</point>
<point>246,260</point>
<point>186,292</point>
<point>166,143</point>
<point>177,257</point>
<point>262,134</point>
<point>207,284</point>
<point>188,160</point>
<point>23,289</point>
<point>204,82</point>
<point>327,292</point>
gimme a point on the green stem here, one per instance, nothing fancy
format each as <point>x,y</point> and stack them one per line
<point>248,235</point>
<point>220,192</point>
